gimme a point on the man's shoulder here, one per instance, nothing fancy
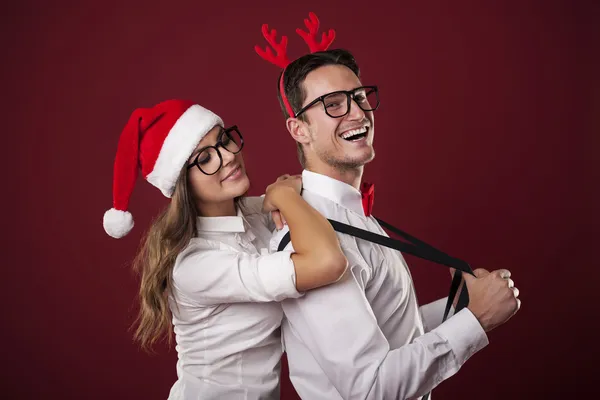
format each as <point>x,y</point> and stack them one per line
<point>322,204</point>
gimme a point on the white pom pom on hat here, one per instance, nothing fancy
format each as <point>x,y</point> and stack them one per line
<point>117,223</point>
<point>159,141</point>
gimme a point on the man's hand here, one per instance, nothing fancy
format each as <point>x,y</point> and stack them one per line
<point>493,297</point>
<point>295,181</point>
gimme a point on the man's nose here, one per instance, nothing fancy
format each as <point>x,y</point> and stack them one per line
<point>355,112</point>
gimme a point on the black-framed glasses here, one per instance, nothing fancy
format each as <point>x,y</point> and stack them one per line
<point>337,104</point>
<point>209,159</point>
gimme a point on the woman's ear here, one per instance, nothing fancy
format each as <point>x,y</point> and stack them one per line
<point>298,130</point>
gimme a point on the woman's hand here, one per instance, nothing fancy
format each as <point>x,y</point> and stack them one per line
<point>284,182</point>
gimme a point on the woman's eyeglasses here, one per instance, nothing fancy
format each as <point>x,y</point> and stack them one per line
<point>209,159</point>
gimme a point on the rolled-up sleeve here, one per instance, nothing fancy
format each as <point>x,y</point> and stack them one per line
<point>224,276</point>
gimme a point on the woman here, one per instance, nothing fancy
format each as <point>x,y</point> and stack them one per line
<point>204,264</point>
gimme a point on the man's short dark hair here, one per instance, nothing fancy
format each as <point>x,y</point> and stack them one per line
<point>296,72</point>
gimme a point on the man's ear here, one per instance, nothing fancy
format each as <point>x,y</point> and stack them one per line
<point>298,130</point>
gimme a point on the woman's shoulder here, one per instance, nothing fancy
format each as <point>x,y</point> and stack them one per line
<point>251,205</point>
<point>198,252</point>
<point>196,246</point>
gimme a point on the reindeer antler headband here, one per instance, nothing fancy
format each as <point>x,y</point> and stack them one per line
<point>281,59</point>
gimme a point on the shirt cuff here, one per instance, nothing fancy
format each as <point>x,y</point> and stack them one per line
<point>464,333</point>
<point>281,279</point>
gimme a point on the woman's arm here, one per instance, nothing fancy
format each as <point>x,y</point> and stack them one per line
<point>318,258</point>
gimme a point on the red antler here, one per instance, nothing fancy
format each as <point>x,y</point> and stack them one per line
<point>311,36</point>
<point>280,59</point>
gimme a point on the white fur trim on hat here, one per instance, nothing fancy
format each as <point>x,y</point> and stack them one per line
<point>179,144</point>
<point>117,223</point>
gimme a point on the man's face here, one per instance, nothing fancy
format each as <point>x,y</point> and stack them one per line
<point>328,138</point>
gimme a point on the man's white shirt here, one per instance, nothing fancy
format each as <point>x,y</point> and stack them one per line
<point>365,337</point>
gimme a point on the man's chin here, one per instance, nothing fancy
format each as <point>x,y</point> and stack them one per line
<point>355,161</point>
<point>366,157</point>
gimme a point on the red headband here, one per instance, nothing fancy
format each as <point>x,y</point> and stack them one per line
<point>281,60</point>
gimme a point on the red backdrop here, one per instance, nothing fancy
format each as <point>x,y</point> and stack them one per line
<point>486,140</point>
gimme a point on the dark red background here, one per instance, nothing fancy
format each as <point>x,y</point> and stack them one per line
<point>486,140</point>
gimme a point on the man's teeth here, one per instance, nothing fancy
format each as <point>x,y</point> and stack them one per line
<point>354,132</point>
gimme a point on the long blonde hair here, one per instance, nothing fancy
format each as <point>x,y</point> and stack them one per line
<point>168,235</point>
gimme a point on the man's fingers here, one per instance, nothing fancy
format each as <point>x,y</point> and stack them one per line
<point>503,273</point>
<point>283,177</point>
<point>511,283</point>
<point>515,291</point>
<point>478,273</point>
<point>481,272</point>
<point>468,278</point>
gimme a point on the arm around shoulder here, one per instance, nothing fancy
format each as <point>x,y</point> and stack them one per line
<point>318,258</point>
<point>314,272</point>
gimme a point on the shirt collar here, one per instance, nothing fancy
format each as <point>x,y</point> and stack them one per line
<point>230,224</point>
<point>337,191</point>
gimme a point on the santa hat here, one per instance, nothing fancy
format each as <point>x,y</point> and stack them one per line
<point>159,141</point>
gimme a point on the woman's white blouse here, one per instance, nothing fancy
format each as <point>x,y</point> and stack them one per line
<point>226,315</point>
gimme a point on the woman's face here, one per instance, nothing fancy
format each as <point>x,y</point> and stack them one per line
<point>224,178</point>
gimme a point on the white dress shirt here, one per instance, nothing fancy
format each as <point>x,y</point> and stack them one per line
<point>226,314</point>
<point>365,337</point>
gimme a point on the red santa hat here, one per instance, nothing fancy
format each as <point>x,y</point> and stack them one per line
<point>159,141</point>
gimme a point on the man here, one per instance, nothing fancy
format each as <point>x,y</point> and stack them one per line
<point>365,337</point>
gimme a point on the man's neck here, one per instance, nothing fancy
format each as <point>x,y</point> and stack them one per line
<point>351,176</point>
